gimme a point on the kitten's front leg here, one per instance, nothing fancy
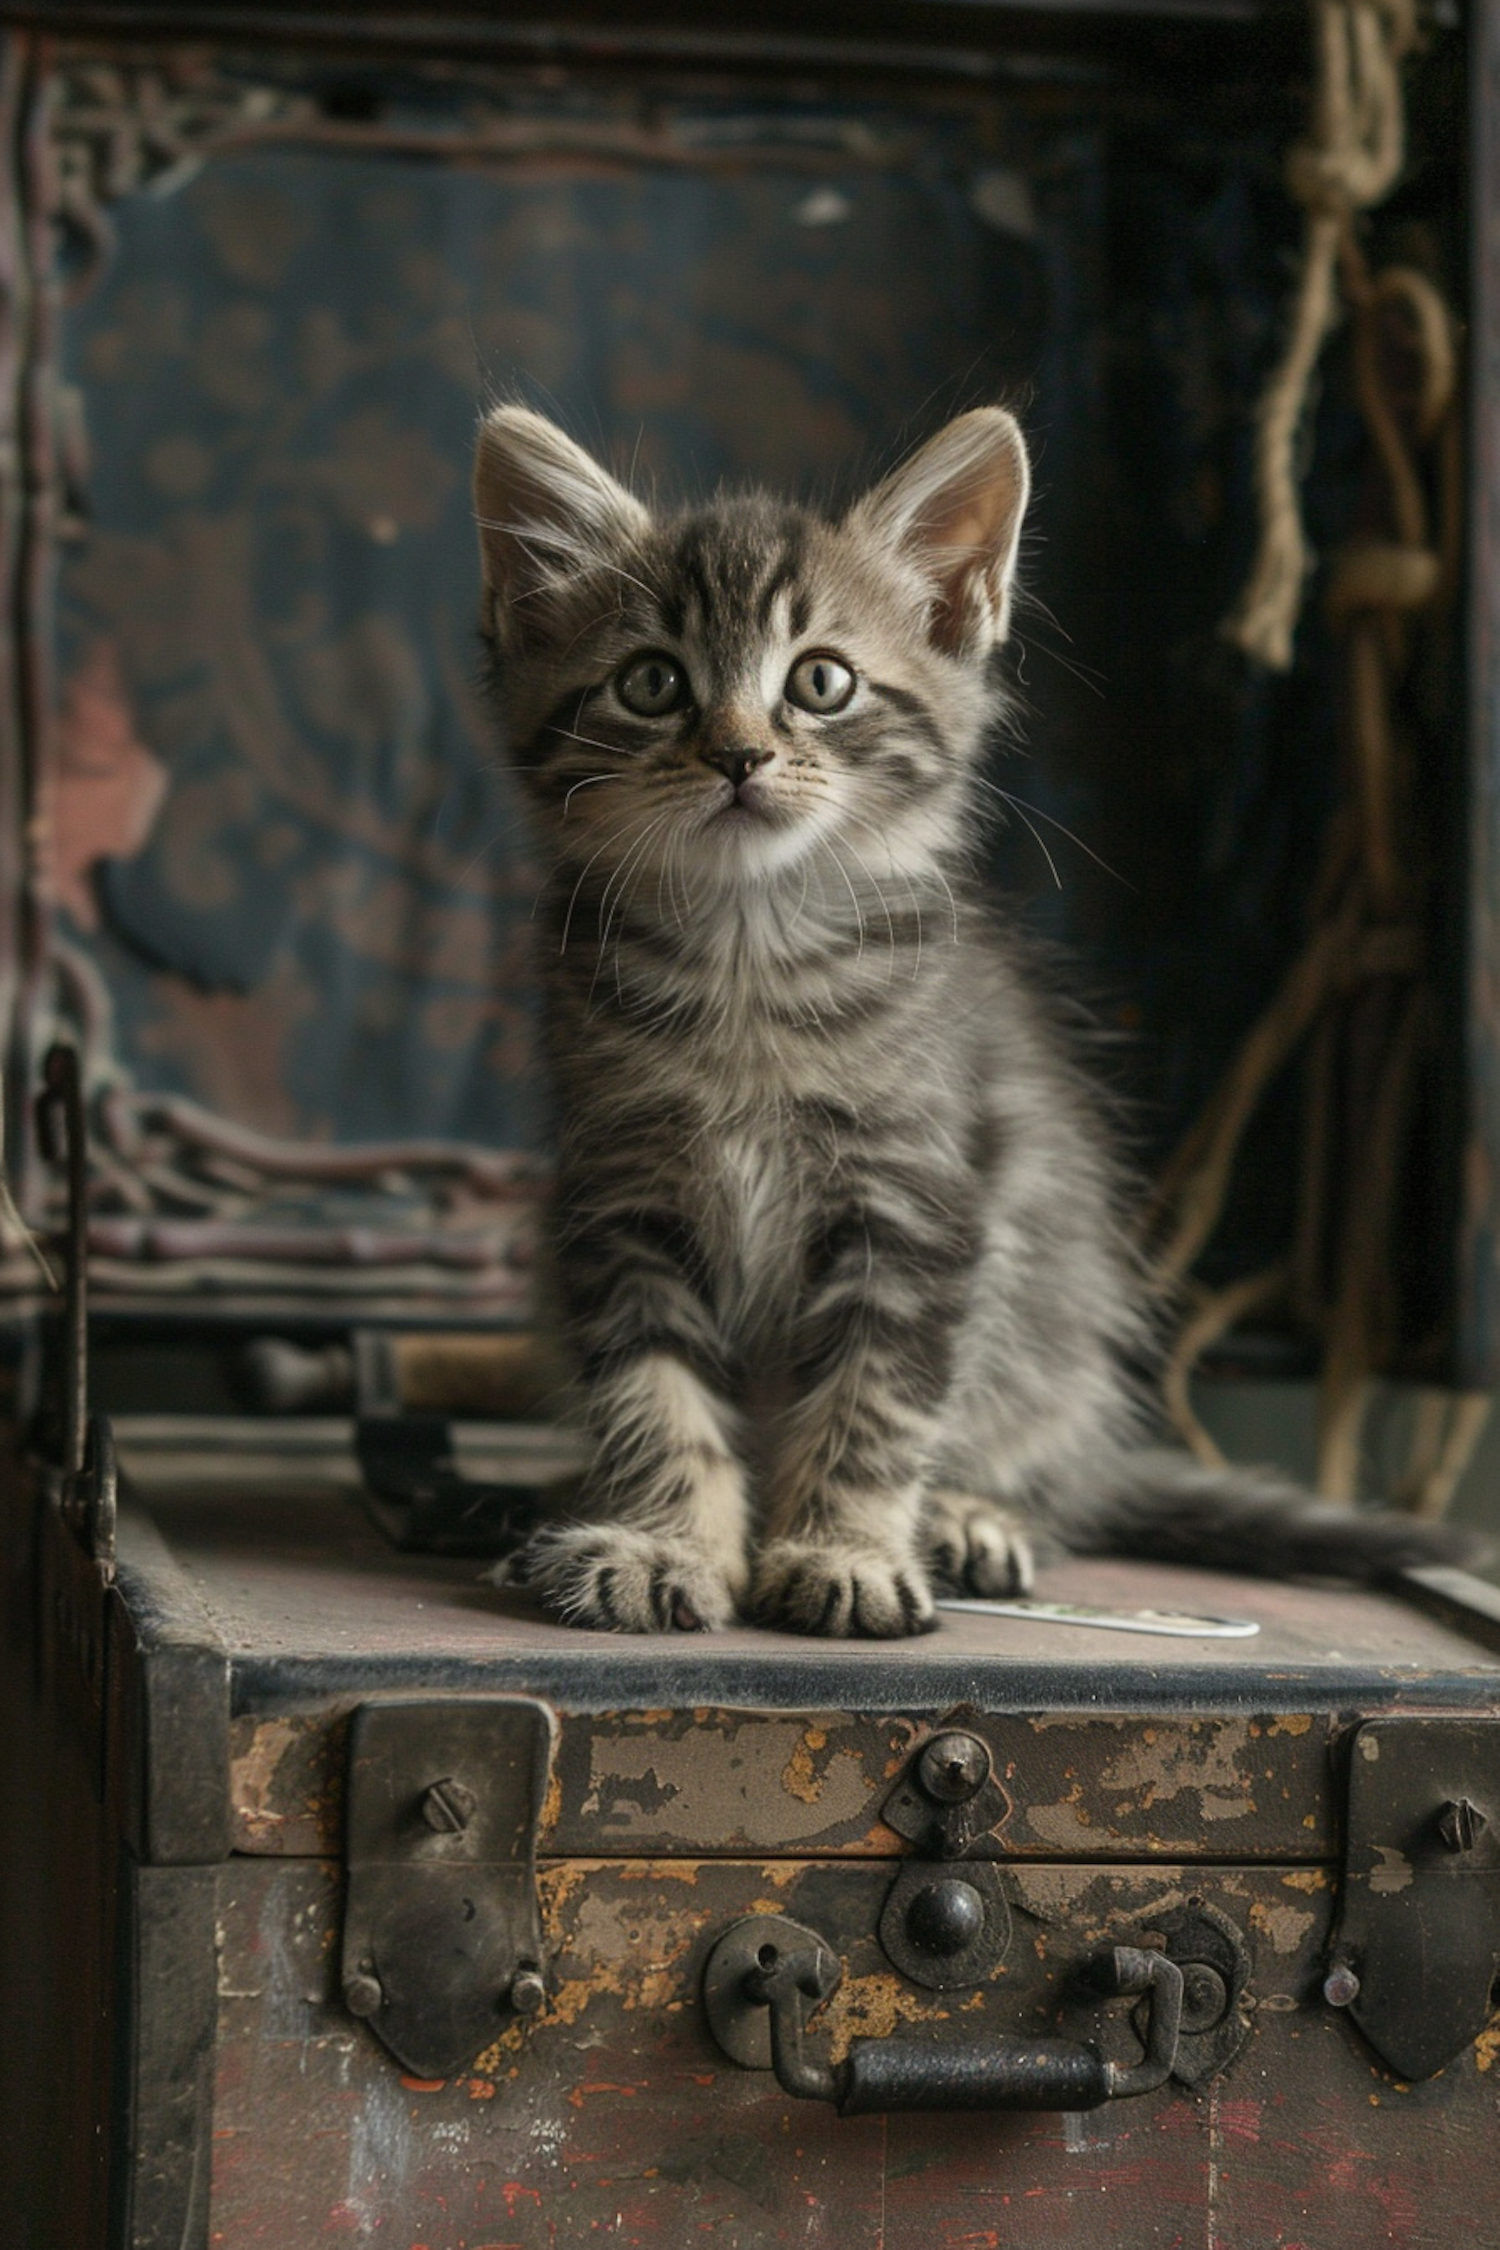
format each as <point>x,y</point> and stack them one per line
<point>872,1359</point>
<point>658,1540</point>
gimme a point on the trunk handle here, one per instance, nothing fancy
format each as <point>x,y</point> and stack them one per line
<point>790,1970</point>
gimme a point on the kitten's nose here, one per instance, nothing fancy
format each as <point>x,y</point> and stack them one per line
<point>738,764</point>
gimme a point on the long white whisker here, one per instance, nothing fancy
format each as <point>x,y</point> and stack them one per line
<point>952,901</point>
<point>637,849</point>
<point>466,874</point>
<point>668,877</point>
<point>629,867</point>
<point>590,782</point>
<point>614,749</point>
<point>676,856</point>
<point>1022,804</point>
<point>577,887</point>
<point>849,887</point>
<point>540,539</point>
<point>911,889</point>
<point>1041,847</point>
<point>890,927</point>
<point>816,785</point>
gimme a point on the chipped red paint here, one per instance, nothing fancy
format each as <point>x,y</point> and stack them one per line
<point>609,2119</point>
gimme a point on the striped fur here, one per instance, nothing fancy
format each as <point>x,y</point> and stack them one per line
<point>836,1230</point>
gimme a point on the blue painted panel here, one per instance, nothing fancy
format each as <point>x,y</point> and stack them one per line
<point>295,842</point>
<point>273,611</point>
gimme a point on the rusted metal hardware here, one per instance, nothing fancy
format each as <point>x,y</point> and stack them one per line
<point>1417,1947</point>
<point>442,1927</point>
<point>91,1499</point>
<point>1215,1964</point>
<point>946,1926</point>
<point>947,1801</point>
<point>946,1921</point>
<point>778,1968</point>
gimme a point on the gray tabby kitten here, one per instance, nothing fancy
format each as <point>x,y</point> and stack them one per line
<point>836,1230</point>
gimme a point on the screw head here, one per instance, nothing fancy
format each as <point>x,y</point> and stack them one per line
<point>448,1807</point>
<point>946,1917</point>
<point>362,1994</point>
<point>953,1768</point>
<point>1341,1985</point>
<point>527,1991</point>
<point>1460,1823</point>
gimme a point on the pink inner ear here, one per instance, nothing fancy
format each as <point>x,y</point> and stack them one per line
<point>982,514</point>
<point>971,528</point>
<point>969,548</point>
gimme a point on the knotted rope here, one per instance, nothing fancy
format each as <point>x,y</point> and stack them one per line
<point>1349,161</point>
<point>1356,998</point>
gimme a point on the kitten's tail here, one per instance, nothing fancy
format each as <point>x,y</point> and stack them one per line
<point>1166,1507</point>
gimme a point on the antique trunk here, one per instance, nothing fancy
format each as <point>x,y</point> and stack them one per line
<point>342,1897</point>
<point>351,1902</point>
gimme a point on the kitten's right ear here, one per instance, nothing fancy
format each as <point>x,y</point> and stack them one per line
<point>955,511</point>
<point>545,510</point>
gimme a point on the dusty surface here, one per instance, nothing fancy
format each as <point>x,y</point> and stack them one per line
<point>302,1575</point>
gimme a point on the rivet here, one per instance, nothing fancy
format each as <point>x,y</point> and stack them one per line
<point>1340,1986</point>
<point>527,1991</point>
<point>362,1994</point>
<point>946,1917</point>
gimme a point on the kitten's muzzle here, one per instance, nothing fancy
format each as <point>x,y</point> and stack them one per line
<point>737,764</point>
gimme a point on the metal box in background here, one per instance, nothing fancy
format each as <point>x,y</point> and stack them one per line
<point>343,1898</point>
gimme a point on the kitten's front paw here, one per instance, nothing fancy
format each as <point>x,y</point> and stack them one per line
<point>976,1547</point>
<point>808,1586</point>
<point>613,1578</point>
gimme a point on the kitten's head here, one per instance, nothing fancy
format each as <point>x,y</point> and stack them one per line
<point>747,688</point>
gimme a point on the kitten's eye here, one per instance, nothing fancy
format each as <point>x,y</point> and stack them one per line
<point>819,683</point>
<point>651,684</point>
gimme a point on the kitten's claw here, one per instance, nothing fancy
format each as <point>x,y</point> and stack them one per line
<point>977,1547</point>
<point>612,1578</point>
<point>805,1586</point>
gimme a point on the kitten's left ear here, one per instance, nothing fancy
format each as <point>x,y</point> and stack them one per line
<point>955,510</point>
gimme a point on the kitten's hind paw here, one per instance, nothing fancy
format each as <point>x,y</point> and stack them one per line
<point>613,1578</point>
<point>808,1586</point>
<point>976,1546</point>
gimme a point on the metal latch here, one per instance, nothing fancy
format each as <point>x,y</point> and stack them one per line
<point>1417,1947</point>
<point>442,1925</point>
<point>946,1920</point>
